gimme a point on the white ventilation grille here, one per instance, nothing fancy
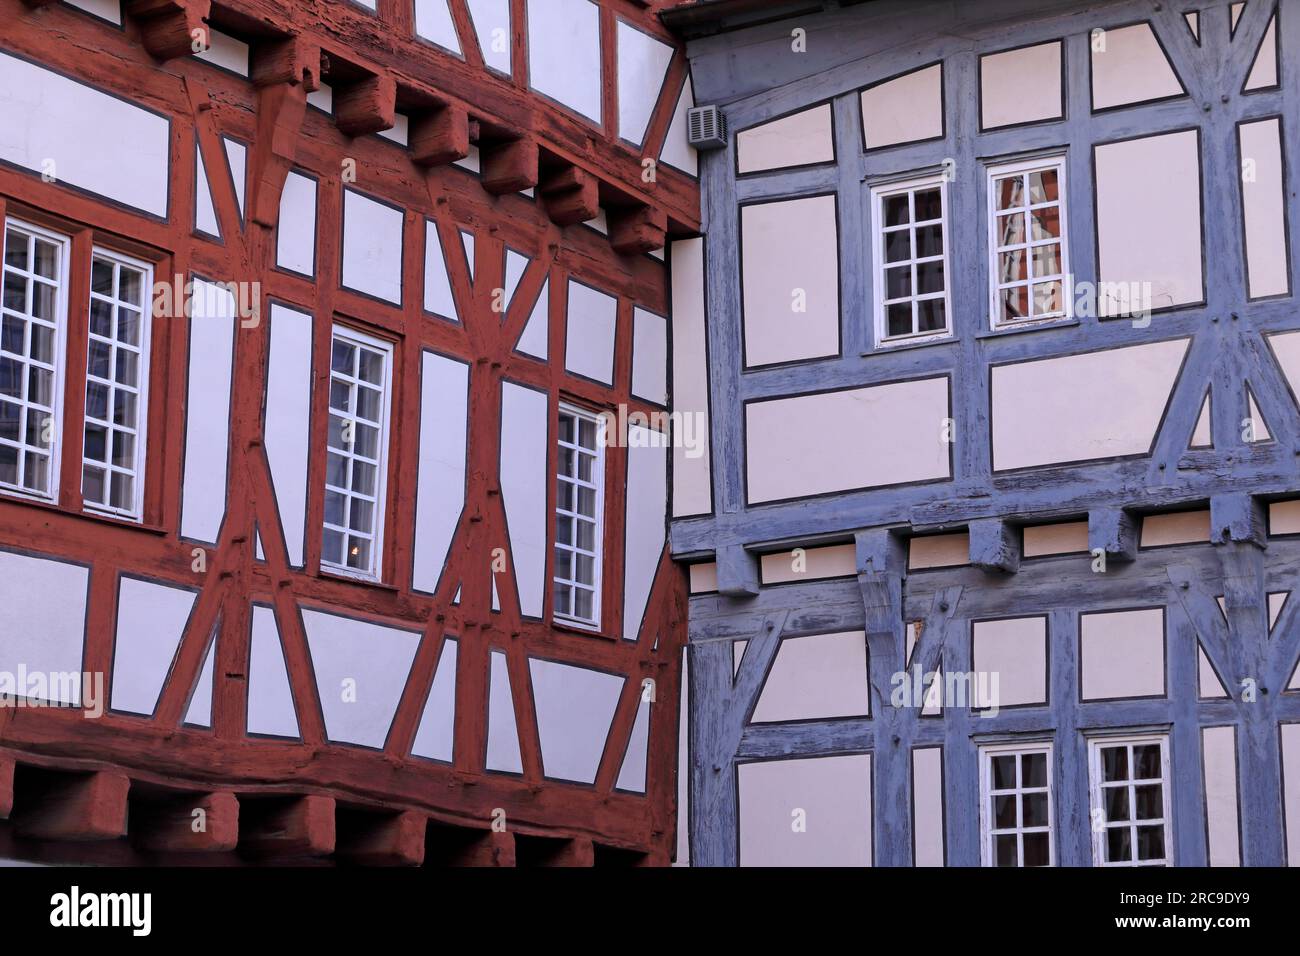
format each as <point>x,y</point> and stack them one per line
<point>706,128</point>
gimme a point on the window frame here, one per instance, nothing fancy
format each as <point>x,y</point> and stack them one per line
<point>595,624</point>
<point>989,833</point>
<point>142,389</point>
<point>1024,165</point>
<point>60,353</point>
<point>879,193</point>
<point>1095,745</point>
<point>389,349</point>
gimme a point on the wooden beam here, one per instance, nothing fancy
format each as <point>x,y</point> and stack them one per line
<point>438,137</point>
<point>168,28</point>
<point>366,106</point>
<point>994,546</point>
<point>638,231</point>
<point>1114,532</point>
<point>288,826</point>
<point>194,823</point>
<point>737,571</point>
<point>65,806</point>
<point>1237,518</point>
<point>374,839</point>
<point>571,196</point>
<point>287,60</point>
<point>280,111</point>
<point>510,166</point>
<point>6,787</point>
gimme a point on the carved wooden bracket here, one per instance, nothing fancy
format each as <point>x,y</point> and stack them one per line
<point>169,28</point>
<point>571,196</point>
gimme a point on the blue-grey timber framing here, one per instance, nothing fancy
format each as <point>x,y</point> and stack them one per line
<point>759,66</point>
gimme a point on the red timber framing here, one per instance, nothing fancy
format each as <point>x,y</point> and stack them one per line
<point>65,777</point>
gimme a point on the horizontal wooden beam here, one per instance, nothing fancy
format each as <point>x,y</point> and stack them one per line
<point>570,196</point>
<point>440,136</point>
<point>6,786</point>
<point>1114,532</point>
<point>290,60</point>
<point>288,826</point>
<point>994,546</point>
<point>193,823</point>
<point>65,806</point>
<point>367,106</point>
<point>509,167</point>
<point>638,231</point>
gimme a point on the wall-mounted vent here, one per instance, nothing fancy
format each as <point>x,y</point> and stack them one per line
<point>707,127</point>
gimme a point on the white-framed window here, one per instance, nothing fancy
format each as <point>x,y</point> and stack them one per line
<point>33,330</point>
<point>117,376</point>
<point>1016,805</point>
<point>1130,800</point>
<point>910,257</point>
<point>356,465</point>
<point>1027,228</point>
<point>579,516</point>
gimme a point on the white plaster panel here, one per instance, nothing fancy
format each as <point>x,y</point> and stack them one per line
<point>646,522</point>
<point>632,773</point>
<point>1123,654</point>
<point>1264,207</point>
<point>199,711</point>
<point>226,52</point>
<point>436,733</point>
<point>516,266</point>
<point>800,139</point>
<point>44,629</point>
<point>1015,651</point>
<point>1154,181</point>
<point>361,670</point>
<point>48,117</point>
<point>704,577</point>
<point>834,794</point>
<point>1039,417</point>
<point>810,564</point>
<point>642,64</point>
<point>575,707</point>
<point>817,677</point>
<point>440,482</point>
<point>372,247</point>
<point>564,53</point>
<point>205,213</point>
<point>237,161</point>
<point>1263,72</point>
<point>438,297</point>
<point>207,411</point>
<point>692,478</point>
<point>1291,790</point>
<point>1219,751</point>
<point>677,151</point>
<point>789,260</point>
<point>589,339</point>
<point>491,20</point>
<point>1202,435</point>
<point>1284,517</point>
<point>110,10</point>
<point>1286,348</point>
<point>288,421</point>
<point>1128,66</point>
<point>151,620</point>
<point>533,340</point>
<point>270,696</point>
<point>1208,684</point>
<point>927,806</point>
<point>800,446</point>
<point>295,236</point>
<point>524,476</point>
<point>904,109</point>
<point>433,22</point>
<point>1021,86</point>
<point>650,356</point>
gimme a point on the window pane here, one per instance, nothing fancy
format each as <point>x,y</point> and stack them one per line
<point>898,246</point>
<point>898,282</point>
<point>896,210</point>
<point>371,367</point>
<point>928,205</point>
<point>1004,771</point>
<point>1148,802</point>
<point>1150,843</point>
<point>930,315</point>
<point>1011,229</point>
<point>1034,810</point>
<point>13,334</point>
<point>1037,849</point>
<point>1005,849</point>
<point>1010,192</point>
<point>1012,266</point>
<point>1046,223</point>
<point>101,318</point>
<point>1114,763</point>
<point>1118,847</point>
<point>1042,186</point>
<point>101,277</point>
<point>898,319</point>
<point>120,496</point>
<point>92,484</point>
<point>579,466</point>
<point>1115,802</point>
<point>1048,298</point>
<point>929,277</point>
<point>15,249</point>
<point>1146,762</point>
<point>1004,812</point>
<point>129,284</point>
<point>929,241</point>
<point>1033,770</point>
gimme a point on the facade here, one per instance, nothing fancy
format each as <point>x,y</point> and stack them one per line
<point>308,543</point>
<point>997,341</point>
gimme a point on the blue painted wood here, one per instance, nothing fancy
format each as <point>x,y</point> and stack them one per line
<point>756,76</point>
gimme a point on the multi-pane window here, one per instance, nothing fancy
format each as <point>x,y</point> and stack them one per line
<point>1130,801</point>
<point>1027,226</point>
<point>31,336</point>
<point>1016,805</point>
<point>911,260</point>
<point>116,373</point>
<point>356,460</point>
<point>579,526</point>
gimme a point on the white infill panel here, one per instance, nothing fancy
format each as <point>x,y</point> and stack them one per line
<point>361,669</point>
<point>904,109</point>
<point>207,411</point>
<point>564,53</point>
<point>372,247</point>
<point>927,806</point>
<point>151,619</point>
<point>647,497</point>
<point>818,677</point>
<point>1219,767</point>
<point>270,696</point>
<point>800,139</point>
<point>295,237</point>
<point>440,484</point>
<point>1264,207</point>
<point>48,120</point>
<point>806,812</point>
<point>575,707</point>
<point>436,734</point>
<point>433,22</point>
<point>524,479</point>
<point>503,734</point>
<point>589,342</point>
<point>692,479</point>
<point>642,63</point>
<point>288,421</point>
<point>44,628</point>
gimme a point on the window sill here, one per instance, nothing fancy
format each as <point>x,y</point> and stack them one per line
<point>572,627</point>
<point>906,345</point>
<point>342,577</point>
<point>1027,327</point>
